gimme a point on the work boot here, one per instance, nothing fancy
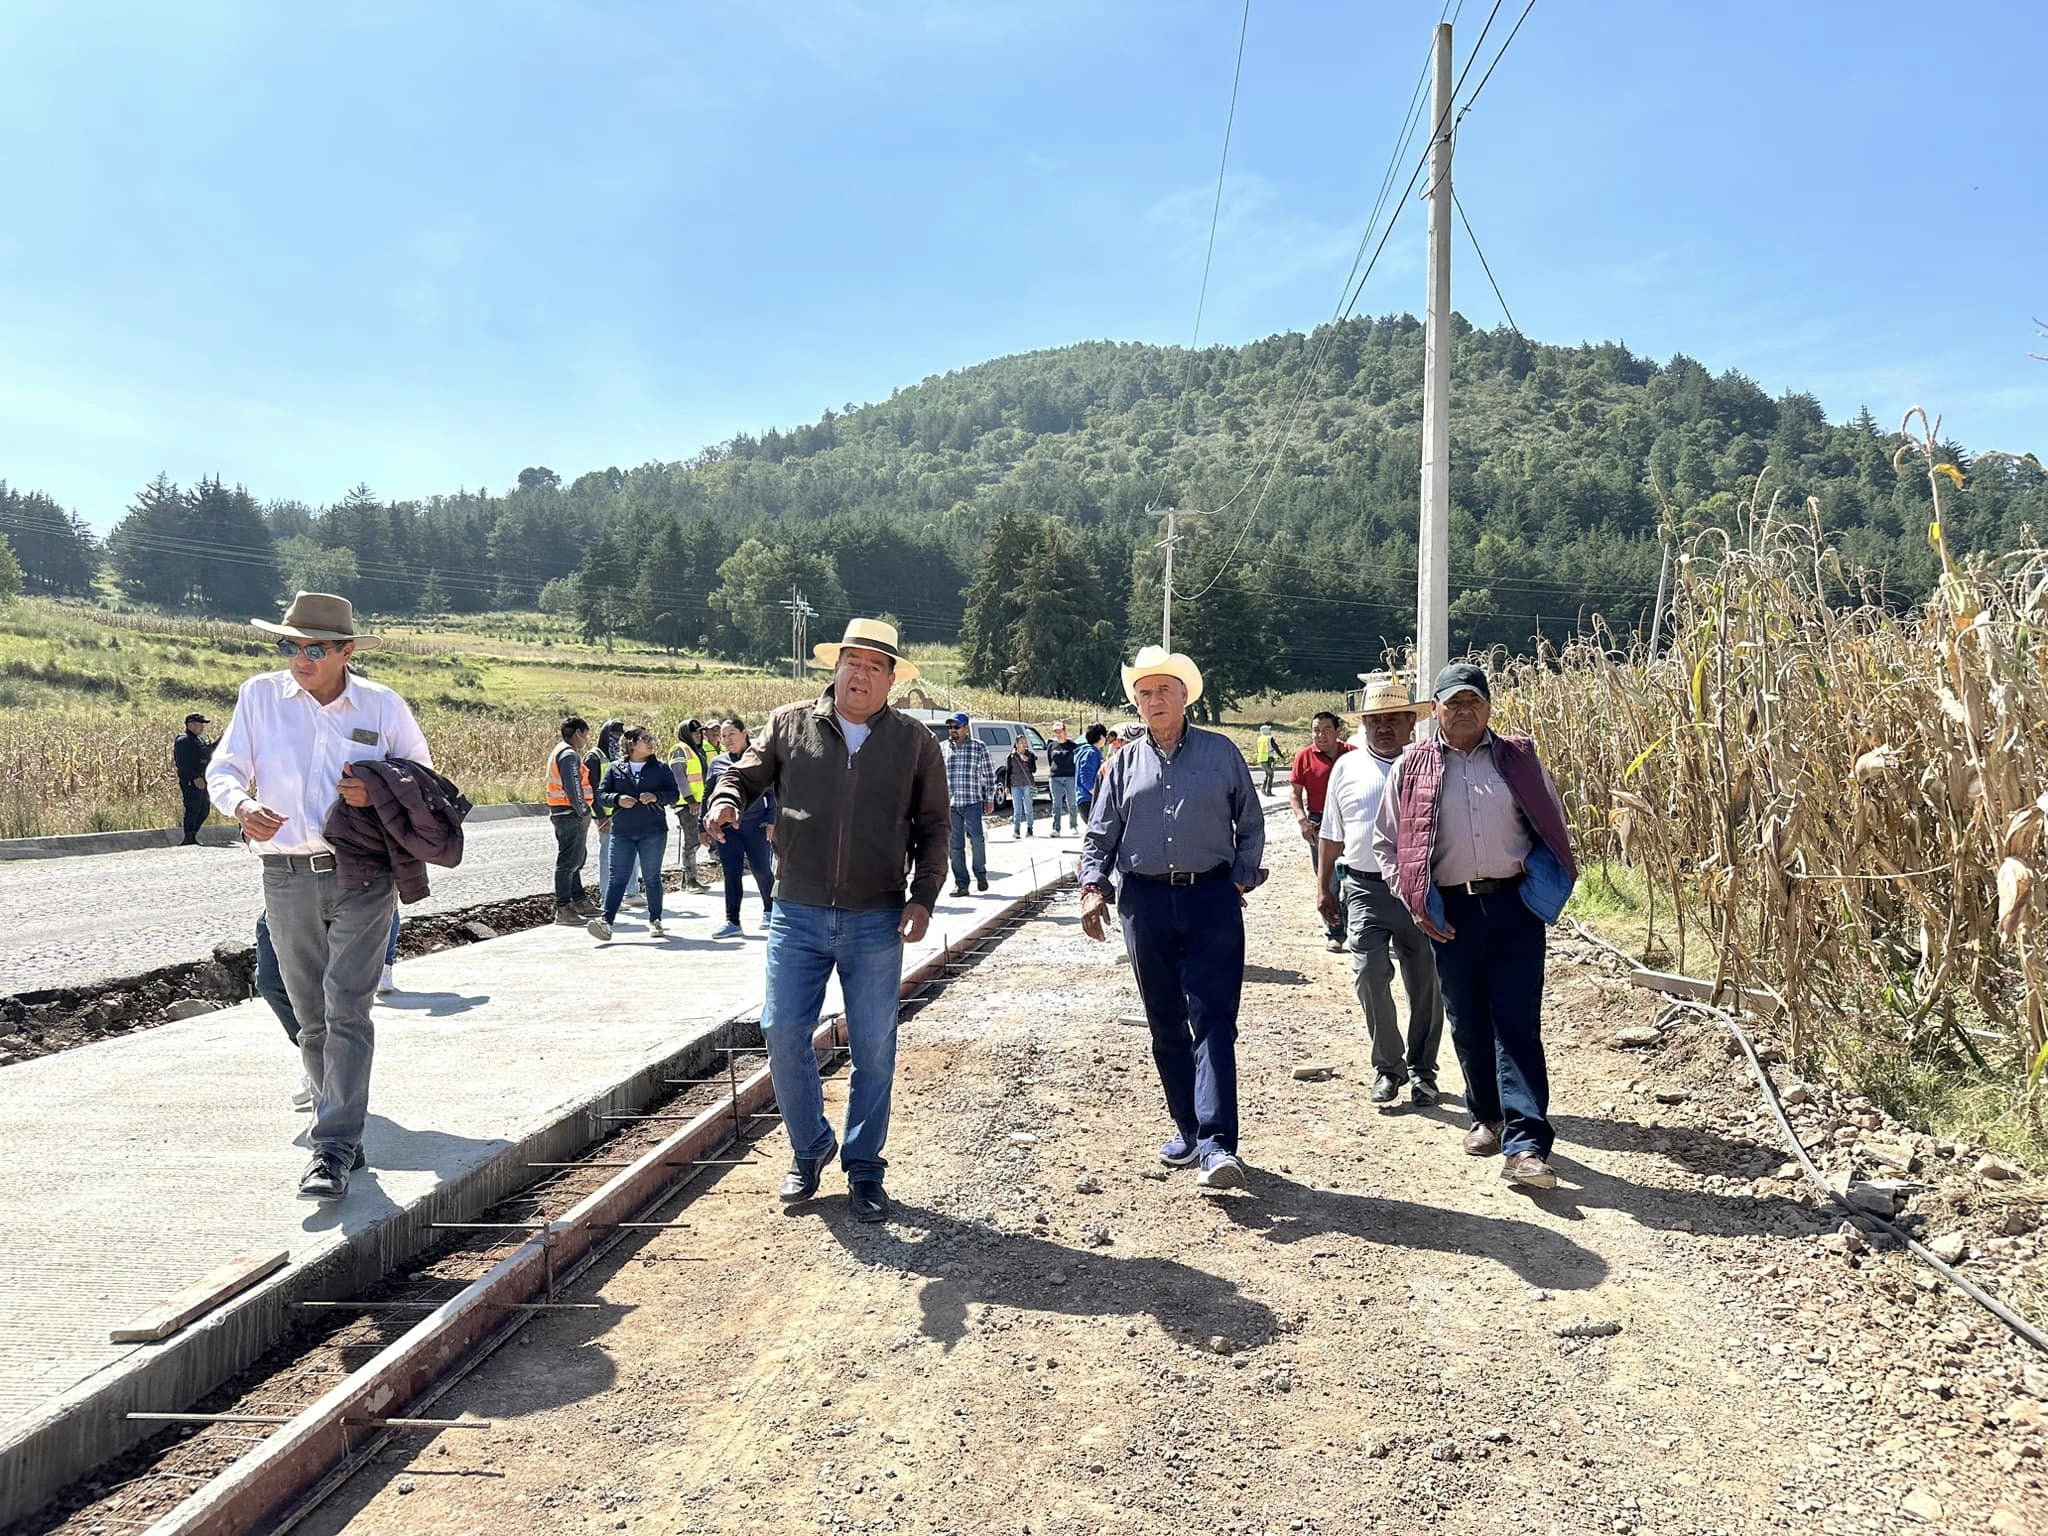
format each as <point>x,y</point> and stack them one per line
<point>568,917</point>
<point>801,1182</point>
<point>1528,1170</point>
<point>1483,1140</point>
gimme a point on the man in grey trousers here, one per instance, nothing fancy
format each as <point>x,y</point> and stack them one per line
<point>278,770</point>
<point>1377,927</point>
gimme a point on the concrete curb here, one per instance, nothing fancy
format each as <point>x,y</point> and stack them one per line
<point>215,836</point>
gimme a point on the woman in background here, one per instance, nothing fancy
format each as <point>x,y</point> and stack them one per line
<point>747,844</point>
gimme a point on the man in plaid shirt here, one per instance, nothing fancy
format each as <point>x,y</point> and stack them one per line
<point>971,792</point>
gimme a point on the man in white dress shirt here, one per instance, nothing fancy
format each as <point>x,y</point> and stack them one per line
<point>279,768</point>
<point>1378,929</point>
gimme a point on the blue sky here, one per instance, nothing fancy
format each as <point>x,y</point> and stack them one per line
<point>425,246</point>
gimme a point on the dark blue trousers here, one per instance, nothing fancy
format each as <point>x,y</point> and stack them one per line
<point>1186,944</point>
<point>1492,974</point>
<point>746,848</point>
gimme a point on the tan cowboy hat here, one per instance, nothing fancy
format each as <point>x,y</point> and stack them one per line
<point>1156,661</point>
<point>318,616</point>
<point>869,635</point>
<point>1388,696</point>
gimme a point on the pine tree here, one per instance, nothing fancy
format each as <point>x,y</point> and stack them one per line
<point>10,573</point>
<point>985,642</point>
<point>662,608</point>
<point>240,573</point>
<point>604,589</point>
<point>152,555</point>
<point>433,596</point>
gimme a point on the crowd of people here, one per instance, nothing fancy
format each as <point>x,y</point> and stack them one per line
<point>1442,856</point>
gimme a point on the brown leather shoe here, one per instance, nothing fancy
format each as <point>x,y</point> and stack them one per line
<point>1483,1140</point>
<point>1528,1170</point>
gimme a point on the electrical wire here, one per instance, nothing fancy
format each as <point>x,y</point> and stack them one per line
<point>1216,208</point>
<point>1484,265</point>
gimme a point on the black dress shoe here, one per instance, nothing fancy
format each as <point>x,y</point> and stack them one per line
<point>959,890</point>
<point>801,1182</point>
<point>867,1200</point>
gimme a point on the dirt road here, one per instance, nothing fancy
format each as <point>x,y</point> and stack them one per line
<point>1053,1338</point>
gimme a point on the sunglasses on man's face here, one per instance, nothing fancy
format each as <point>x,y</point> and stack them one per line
<point>317,651</point>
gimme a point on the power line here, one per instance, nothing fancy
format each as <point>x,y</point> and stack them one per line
<point>1496,61</point>
<point>1484,265</point>
<point>1216,208</point>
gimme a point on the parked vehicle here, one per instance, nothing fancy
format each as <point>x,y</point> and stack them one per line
<point>998,736</point>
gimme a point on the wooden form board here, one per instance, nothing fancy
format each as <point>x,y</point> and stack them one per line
<point>200,1297</point>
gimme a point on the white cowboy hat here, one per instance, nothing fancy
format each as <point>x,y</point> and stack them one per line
<point>869,635</point>
<point>1156,661</point>
<point>318,616</point>
<point>1388,696</point>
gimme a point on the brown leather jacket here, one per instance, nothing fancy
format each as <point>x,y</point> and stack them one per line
<point>850,826</point>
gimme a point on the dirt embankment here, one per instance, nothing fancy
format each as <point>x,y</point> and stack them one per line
<point>1057,1336</point>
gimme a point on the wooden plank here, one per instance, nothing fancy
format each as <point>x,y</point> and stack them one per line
<point>200,1297</point>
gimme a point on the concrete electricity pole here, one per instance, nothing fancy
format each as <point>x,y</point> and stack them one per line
<point>800,615</point>
<point>1433,566</point>
<point>1166,585</point>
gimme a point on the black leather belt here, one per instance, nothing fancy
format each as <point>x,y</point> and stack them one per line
<point>1483,887</point>
<point>302,863</point>
<point>1363,878</point>
<point>1182,876</point>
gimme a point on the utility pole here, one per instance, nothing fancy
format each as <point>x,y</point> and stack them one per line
<point>1663,576</point>
<point>1433,565</point>
<point>800,615</point>
<point>1166,585</point>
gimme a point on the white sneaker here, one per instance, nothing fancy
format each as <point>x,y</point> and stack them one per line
<point>302,1096</point>
<point>655,930</point>
<point>387,982</point>
<point>598,928</point>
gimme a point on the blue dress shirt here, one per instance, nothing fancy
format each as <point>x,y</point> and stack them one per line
<point>1186,813</point>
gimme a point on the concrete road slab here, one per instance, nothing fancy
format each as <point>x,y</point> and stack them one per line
<point>130,1167</point>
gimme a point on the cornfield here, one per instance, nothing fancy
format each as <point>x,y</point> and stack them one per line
<point>1840,807</point>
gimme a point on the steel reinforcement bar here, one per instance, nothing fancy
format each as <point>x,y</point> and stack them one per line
<point>265,1484</point>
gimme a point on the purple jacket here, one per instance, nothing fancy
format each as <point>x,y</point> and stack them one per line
<point>414,819</point>
<point>1422,782</point>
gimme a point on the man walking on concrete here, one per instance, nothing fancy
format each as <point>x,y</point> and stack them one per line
<point>1060,753</point>
<point>1308,789</point>
<point>571,801</point>
<point>1471,831</point>
<point>189,755</point>
<point>970,795</point>
<point>1378,928</point>
<point>1177,817</point>
<point>861,790</point>
<point>294,736</point>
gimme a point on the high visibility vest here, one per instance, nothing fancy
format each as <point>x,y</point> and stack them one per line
<point>594,777</point>
<point>1265,750</point>
<point>558,792</point>
<point>689,763</point>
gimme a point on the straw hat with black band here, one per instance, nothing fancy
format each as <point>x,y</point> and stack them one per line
<point>318,618</point>
<point>868,635</point>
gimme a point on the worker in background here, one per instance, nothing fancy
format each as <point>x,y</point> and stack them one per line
<point>1060,753</point>
<point>190,752</point>
<point>571,807</point>
<point>1308,786</point>
<point>1266,757</point>
<point>691,764</point>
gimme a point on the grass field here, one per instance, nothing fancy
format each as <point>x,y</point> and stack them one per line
<point>92,699</point>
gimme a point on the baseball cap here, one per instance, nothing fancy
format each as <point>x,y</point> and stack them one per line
<point>958,717</point>
<point>195,718</point>
<point>1457,678</point>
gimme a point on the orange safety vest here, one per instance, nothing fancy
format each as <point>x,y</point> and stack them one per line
<point>558,794</point>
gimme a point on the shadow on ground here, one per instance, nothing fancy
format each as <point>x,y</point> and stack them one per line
<point>970,1262</point>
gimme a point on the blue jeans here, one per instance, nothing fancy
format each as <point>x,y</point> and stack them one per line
<point>1492,975</point>
<point>636,854</point>
<point>604,865</point>
<point>1023,810</point>
<point>1186,944</point>
<point>969,827</point>
<point>746,847</point>
<point>805,944</point>
<point>1063,794</point>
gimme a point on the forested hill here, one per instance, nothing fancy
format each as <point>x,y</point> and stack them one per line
<point>1040,468</point>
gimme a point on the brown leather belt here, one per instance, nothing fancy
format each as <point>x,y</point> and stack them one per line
<point>302,863</point>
